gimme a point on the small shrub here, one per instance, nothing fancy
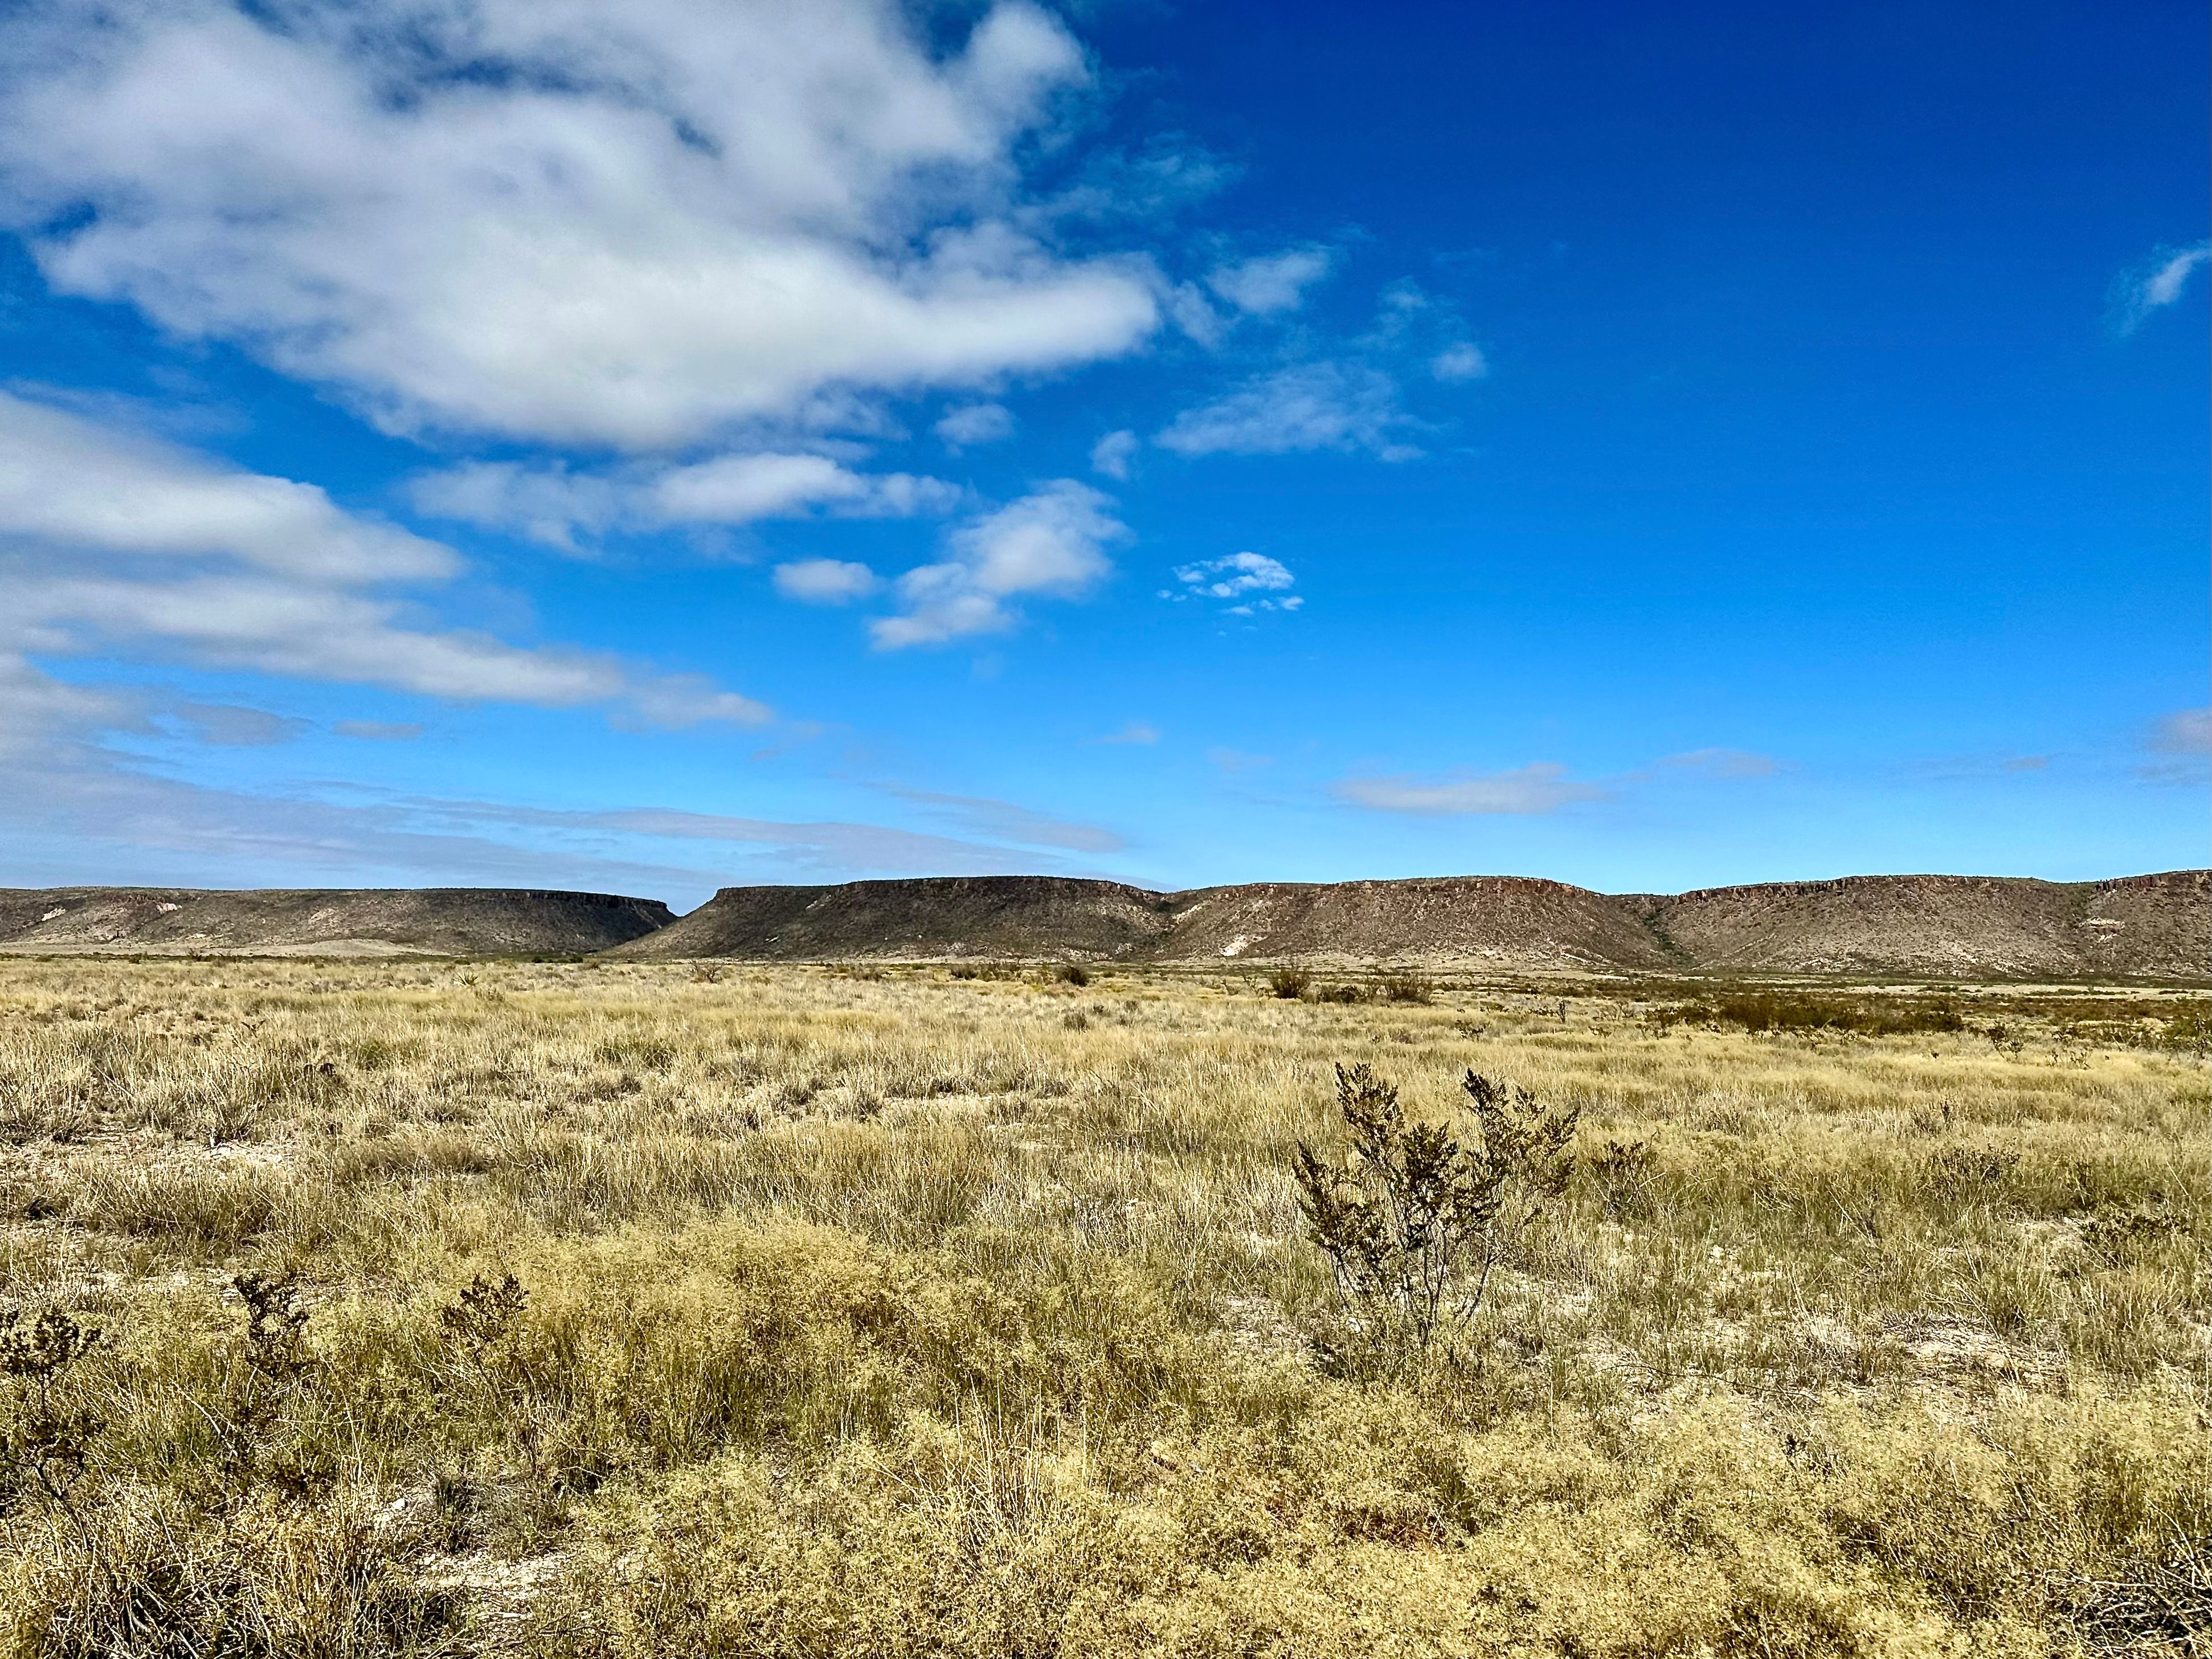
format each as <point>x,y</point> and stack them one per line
<point>1072,973</point>
<point>1627,1175</point>
<point>1417,1221</point>
<point>1289,983</point>
<point>1407,987</point>
<point>1963,1172</point>
<point>45,1444</point>
<point>1338,993</point>
<point>483,1312</point>
<point>269,1366</point>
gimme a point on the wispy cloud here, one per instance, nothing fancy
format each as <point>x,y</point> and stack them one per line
<point>1309,406</point>
<point>115,544</point>
<point>1722,764</point>
<point>1136,732</point>
<point>1004,820</point>
<point>1541,787</point>
<point>2155,283</point>
<point>2186,732</point>
<point>1051,542</point>
<point>1111,455</point>
<point>1274,283</point>
<point>1233,760</point>
<point>974,425</point>
<point>824,581</point>
<point>558,507</point>
<point>1461,361</point>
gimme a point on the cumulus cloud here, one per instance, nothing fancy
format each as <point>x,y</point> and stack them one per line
<point>553,504</point>
<point>1308,406</point>
<point>1111,455</point>
<point>2154,284</point>
<point>553,219</point>
<point>1249,581</point>
<point>1530,791</point>
<point>1050,542</point>
<point>1275,283</point>
<point>824,581</point>
<point>111,542</point>
<point>975,425</point>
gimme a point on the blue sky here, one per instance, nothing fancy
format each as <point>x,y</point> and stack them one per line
<point>659,447</point>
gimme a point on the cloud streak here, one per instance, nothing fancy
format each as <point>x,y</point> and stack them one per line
<point>1531,791</point>
<point>1338,406</point>
<point>2154,284</point>
<point>113,544</point>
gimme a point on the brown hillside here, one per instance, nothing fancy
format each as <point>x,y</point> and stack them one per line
<point>934,917</point>
<point>1913,927</point>
<point>1507,922</point>
<point>1967,926</point>
<point>430,921</point>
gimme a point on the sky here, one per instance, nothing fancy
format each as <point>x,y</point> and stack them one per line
<point>687,443</point>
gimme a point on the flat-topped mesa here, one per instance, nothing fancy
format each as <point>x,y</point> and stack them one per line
<point>921,919</point>
<point>2156,927</point>
<point>453,921</point>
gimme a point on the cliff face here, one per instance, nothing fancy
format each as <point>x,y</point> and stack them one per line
<point>2157,926</point>
<point>425,920</point>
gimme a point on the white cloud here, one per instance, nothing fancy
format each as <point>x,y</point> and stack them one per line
<point>379,731</point>
<point>560,219</point>
<point>1136,732</point>
<point>553,504</point>
<point>1240,578</point>
<point>1461,361</point>
<point>1530,791</point>
<point>824,581</point>
<point>1276,282</point>
<point>1051,542</point>
<point>1342,406</point>
<point>2154,284</point>
<point>65,479</point>
<point>111,542</point>
<point>1111,455</point>
<point>975,425</point>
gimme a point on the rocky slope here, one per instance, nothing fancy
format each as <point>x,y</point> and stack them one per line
<point>2156,927</point>
<point>363,922</point>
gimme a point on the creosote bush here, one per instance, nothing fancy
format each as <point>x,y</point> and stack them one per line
<point>1416,1222</point>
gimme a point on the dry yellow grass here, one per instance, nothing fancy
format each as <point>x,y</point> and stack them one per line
<point>886,1312</point>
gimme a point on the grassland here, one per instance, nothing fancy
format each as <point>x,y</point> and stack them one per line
<point>654,1309</point>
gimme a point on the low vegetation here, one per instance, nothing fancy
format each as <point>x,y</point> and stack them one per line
<point>628,1310</point>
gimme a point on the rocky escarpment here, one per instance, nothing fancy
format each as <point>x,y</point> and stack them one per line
<point>470,921</point>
